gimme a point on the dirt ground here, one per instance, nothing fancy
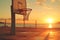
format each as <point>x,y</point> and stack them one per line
<point>24,33</point>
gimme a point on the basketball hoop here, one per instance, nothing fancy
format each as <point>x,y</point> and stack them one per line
<point>25,12</point>
<point>18,7</point>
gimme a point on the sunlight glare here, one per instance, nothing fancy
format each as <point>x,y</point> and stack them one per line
<point>50,26</point>
<point>49,20</point>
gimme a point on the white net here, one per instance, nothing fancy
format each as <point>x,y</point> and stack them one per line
<point>28,11</point>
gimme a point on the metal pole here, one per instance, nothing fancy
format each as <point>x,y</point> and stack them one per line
<point>35,23</point>
<point>24,20</point>
<point>12,20</point>
<point>5,23</point>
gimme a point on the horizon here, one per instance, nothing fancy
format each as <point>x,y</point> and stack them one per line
<point>32,21</point>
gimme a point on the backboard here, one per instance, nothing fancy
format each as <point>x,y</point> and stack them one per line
<point>19,6</point>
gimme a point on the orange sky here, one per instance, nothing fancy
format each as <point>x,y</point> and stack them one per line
<point>41,10</point>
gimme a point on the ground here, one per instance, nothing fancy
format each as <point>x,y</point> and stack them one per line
<point>30,34</point>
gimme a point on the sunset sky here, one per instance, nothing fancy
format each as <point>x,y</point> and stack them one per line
<point>41,9</point>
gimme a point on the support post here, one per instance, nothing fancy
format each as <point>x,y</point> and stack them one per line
<point>24,20</point>
<point>35,23</point>
<point>5,23</point>
<point>12,20</point>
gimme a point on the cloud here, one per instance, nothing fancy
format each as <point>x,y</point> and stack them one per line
<point>58,0</point>
<point>47,7</point>
<point>53,1</point>
<point>40,2</point>
<point>43,4</point>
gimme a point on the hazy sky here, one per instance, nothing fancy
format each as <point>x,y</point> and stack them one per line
<point>41,9</point>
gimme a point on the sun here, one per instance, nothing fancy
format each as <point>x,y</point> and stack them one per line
<point>49,20</point>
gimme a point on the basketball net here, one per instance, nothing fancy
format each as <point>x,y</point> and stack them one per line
<point>27,12</point>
